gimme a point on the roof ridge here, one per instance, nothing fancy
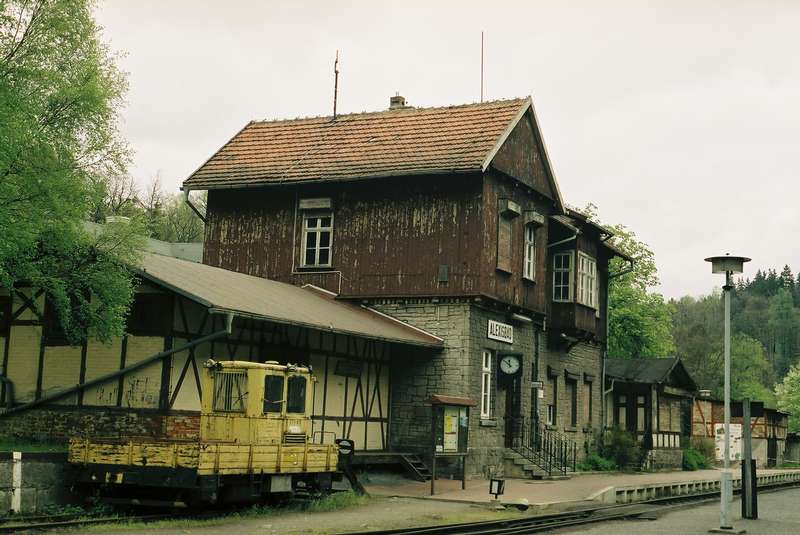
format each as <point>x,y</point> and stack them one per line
<point>400,111</point>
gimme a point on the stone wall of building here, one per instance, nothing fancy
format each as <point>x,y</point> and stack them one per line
<point>456,371</point>
<point>584,359</point>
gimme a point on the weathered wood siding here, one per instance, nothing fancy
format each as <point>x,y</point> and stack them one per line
<point>389,239</point>
<point>522,157</point>
<point>510,287</point>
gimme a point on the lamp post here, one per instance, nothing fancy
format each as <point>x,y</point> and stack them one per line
<point>728,265</point>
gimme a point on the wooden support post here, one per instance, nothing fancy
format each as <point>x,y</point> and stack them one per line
<point>747,469</point>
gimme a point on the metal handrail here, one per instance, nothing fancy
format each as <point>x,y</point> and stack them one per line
<point>547,448</point>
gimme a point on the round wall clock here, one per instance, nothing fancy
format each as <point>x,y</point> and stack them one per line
<point>509,364</point>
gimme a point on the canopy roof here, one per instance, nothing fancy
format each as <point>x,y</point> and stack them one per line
<point>224,291</point>
<point>653,371</point>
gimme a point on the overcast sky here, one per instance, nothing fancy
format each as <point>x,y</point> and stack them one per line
<point>678,119</point>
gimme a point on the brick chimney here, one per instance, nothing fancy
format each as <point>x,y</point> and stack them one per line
<point>397,102</point>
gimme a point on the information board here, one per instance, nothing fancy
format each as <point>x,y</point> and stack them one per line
<point>735,445</point>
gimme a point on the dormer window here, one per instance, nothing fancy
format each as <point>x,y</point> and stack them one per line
<point>562,277</point>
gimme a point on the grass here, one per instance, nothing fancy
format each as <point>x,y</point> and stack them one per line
<point>26,446</point>
<point>323,504</point>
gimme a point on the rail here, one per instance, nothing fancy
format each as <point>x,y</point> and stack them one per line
<point>547,448</point>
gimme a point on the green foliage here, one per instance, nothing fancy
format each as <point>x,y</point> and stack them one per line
<point>10,444</point>
<point>60,93</point>
<point>639,320</point>
<point>705,446</point>
<point>336,501</point>
<point>766,340</point>
<point>621,448</point>
<point>595,463</point>
<point>788,394</point>
<point>694,460</point>
<point>164,217</point>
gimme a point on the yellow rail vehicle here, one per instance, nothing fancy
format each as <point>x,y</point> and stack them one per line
<point>255,439</point>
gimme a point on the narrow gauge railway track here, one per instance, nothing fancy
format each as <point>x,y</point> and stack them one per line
<point>521,526</point>
<point>548,522</point>
<point>45,522</point>
<point>70,521</point>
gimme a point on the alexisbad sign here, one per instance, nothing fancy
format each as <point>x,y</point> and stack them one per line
<point>501,331</point>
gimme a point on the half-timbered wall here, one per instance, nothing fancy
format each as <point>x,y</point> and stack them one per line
<point>768,431</point>
<point>38,366</point>
<point>351,394</point>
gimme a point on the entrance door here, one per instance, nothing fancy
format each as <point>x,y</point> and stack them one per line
<point>772,452</point>
<point>513,416</point>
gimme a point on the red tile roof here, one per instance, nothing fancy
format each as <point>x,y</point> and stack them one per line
<point>361,145</point>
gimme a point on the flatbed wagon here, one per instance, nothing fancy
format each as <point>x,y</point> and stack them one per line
<point>254,440</point>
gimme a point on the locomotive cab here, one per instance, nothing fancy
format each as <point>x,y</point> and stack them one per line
<point>254,403</point>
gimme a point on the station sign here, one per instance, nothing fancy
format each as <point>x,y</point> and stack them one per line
<point>502,332</point>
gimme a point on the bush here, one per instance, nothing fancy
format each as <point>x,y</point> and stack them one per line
<point>623,448</point>
<point>704,446</point>
<point>694,460</point>
<point>595,463</point>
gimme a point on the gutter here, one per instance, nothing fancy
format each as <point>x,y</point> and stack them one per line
<point>566,240</point>
<point>113,375</point>
<point>603,414</point>
<point>188,201</point>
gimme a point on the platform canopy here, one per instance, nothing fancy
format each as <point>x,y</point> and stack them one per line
<point>229,292</point>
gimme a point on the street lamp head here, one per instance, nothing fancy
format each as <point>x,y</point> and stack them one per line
<point>727,263</point>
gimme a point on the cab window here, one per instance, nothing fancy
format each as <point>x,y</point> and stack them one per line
<point>273,393</point>
<point>296,394</point>
<point>230,391</point>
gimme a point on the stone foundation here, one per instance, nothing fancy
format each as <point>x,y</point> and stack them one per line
<point>33,481</point>
<point>663,459</point>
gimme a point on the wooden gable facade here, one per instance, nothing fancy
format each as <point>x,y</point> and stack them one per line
<point>461,233</point>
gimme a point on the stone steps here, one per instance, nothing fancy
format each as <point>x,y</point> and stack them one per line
<point>517,466</point>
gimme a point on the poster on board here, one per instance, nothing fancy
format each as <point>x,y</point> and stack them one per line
<point>736,442</point>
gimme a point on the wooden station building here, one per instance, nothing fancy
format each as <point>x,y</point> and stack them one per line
<point>403,254</point>
<point>646,397</point>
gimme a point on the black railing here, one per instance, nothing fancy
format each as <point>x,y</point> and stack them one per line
<point>548,449</point>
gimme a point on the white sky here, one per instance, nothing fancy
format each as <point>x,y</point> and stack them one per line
<point>678,119</point>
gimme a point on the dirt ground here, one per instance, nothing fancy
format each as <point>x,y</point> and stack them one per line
<point>379,513</point>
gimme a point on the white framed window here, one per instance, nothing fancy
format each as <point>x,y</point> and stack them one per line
<point>562,277</point>
<point>551,414</point>
<point>587,280</point>
<point>529,262</point>
<point>486,384</point>
<point>317,239</point>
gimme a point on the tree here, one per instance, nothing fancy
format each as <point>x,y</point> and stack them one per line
<point>784,325</point>
<point>788,394</point>
<point>60,93</point>
<point>639,321</point>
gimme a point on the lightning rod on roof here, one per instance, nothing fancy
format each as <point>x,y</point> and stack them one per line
<point>481,66</point>
<point>335,83</point>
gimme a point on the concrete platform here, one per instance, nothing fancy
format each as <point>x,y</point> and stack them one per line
<point>582,489</point>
